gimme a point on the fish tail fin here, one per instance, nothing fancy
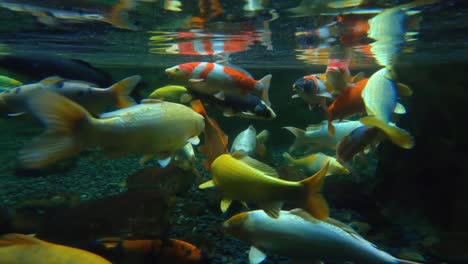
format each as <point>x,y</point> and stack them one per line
<point>17,239</point>
<point>300,138</point>
<point>331,127</point>
<point>118,16</point>
<point>397,135</point>
<point>265,81</point>
<point>122,90</point>
<point>198,107</point>
<point>262,137</point>
<point>315,204</point>
<point>65,122</point>
<point>288,158</point>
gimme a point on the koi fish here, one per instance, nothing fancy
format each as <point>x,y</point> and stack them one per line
<point>239,177</point>
<point>22,249</point>
<point>40,67</point>
<point>346,104</point>
<point>356,142</point>
<point>251,108</point>
<point>338,75</point>
<point>313,163</point>
<point>380,99</point>
<point>313,90</point>
<point>220,80</point>
<point>172,93</point>
<point>153,128</point>
<point>94,100</point>
<point>304,238</point>
<point>216,141</point>
<point>47,12</point>
<point>317,137</point>
<point>152,251</point>
<point>250,143</point>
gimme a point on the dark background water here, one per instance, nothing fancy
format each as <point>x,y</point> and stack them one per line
<point>416,190</point>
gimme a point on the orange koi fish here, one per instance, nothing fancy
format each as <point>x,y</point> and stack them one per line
<point>22,249</point>
<point>154,251</point>
<point>220,80</point>
<point>216,141</point>
<point>348,103</point>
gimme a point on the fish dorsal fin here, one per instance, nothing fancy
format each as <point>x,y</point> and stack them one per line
<point>52,80</point>
<point>317,126</point>
<point>151,101</point>
<point>267,170</point>
<point>403,90</point>
<point>16,239</point>
<point>346,228</point>
<point>304,215</point>
<point>256,255</point>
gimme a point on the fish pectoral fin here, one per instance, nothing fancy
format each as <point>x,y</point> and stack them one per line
<point>267,170</point>
<point>146,158</point>
<point>16,239</point>
<point>52,80</point>
<point>164,162</point>
<point>16,114</point>
<point>256,255</point>
<point>272,209</point>
<point>228,113</point>
<point>194,140</point>
<point>244,204</point>
<point>220,95</point>
<point>295,96</point>
<point>208,184</point>
<point>224,204</point>
<point>186,98</point>
<point>196,80</point>
<point>150,101</point>
<point>399,109</point>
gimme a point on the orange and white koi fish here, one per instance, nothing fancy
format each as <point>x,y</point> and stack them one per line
<point>220,80</point>
<point>22,249</point>
<point>215,140</point>
<point>202,44</point>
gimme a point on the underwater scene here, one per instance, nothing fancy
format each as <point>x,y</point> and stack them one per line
<point>233,131</point>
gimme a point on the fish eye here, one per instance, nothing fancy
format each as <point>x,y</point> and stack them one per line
<point>177,69</point>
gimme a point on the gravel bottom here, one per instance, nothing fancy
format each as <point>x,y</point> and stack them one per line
<point>196,216</point>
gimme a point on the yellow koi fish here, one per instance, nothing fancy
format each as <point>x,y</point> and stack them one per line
<point>240,177</point>
<point>313,163</point>
<point>153,128</point>
<point>22,249</point>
